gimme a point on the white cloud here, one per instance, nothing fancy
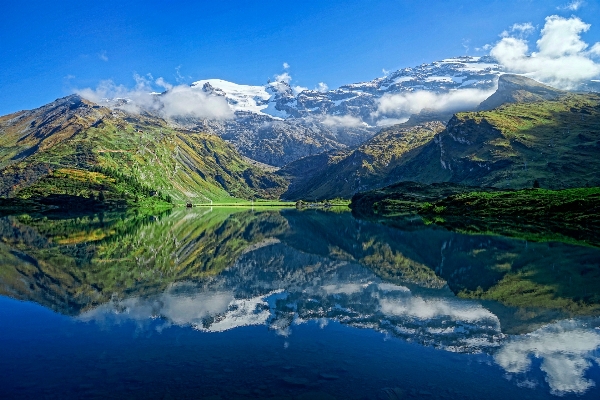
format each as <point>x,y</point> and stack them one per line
<point>186,309</point>
<point>297,89</point>
<point>522,30</point>
<point>286,65</point>
<point>565,348</point>
<point>560,36</point>
<point>181,100</point>
<point>403,105</point>
<point>573,5</point>
<point>102,55</point>
<point>164,84</point>
<point>346,121</point>
<point>322,87</point>
<point>526,27</point>
<point>178,309</point>
<point>485,47</point>
<point>466,45</point>
<point>178,77</point>
<point>344,288</point>
<point>561,59</point>
<point>424,309</point>
<point>390,121</point>
<point>285,77</point>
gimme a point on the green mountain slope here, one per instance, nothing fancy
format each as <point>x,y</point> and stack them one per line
<point>556,142</point>
<point>75,147</point>
<point>519,89</point>
<point>372,165</point>
<point>535,132</point>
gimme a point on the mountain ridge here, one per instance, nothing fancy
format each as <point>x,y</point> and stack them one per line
<point>126,152</point>
<point>537,133</point>
<point>275,125</point>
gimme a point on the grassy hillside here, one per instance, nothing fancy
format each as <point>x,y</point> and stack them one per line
<point>341,174</point>
<point>569,215</point>
<point>534,133</point>
<point>556,142</point>
<point>406,197</point>
<point>581,205</point>
<point>519,89</point>
<point>75,147</point>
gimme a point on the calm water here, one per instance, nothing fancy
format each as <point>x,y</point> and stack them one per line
<point>217,303</point>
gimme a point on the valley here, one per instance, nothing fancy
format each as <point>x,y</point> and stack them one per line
<point>300,200</point>
<point>74,154</point>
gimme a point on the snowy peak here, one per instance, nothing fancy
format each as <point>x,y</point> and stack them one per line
<point>357,100</point>
<point>447,74</point>
<point>239,97</point>
<point>248,98</point>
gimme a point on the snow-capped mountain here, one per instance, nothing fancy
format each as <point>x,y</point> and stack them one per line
<point>246,98</point>
<point>274,125</point>
<point>276,99</point>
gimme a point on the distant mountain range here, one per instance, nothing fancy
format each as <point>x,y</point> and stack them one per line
<point>275,125</point>
<point>537,133</point>
<point>503,130</point>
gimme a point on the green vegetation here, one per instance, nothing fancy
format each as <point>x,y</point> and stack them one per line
<point>570,215</point>
<point>577,206</point>
<point>75,148</point>
<point>554,142</point>
<point>542,282</point>
<point>341,174</point>
<point>406,197</point>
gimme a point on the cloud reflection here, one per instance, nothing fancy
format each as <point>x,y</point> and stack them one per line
<point>281,295</point>
<point>566,349</point>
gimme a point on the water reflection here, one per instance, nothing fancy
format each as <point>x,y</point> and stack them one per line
<point>567,349</point>
<point>217,270</point>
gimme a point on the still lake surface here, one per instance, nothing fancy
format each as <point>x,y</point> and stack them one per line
<point>286,304</point>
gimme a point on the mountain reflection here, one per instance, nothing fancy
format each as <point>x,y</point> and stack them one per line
<point>216,270</point>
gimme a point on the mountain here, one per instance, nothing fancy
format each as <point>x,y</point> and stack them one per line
<point>277,124</point>
<point>73,147</point>
<point>329,265</point>
<point>535,132</point>
<point>519,89</point>
<point>278,99</point>
<point>371,165</point>
<point>556,142</point>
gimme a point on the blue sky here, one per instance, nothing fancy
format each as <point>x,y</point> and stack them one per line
<point>49,49</point>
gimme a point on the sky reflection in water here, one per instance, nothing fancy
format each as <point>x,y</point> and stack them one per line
<point>306,277</point>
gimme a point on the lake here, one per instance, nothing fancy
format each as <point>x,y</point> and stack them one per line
<point>287,304</point>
